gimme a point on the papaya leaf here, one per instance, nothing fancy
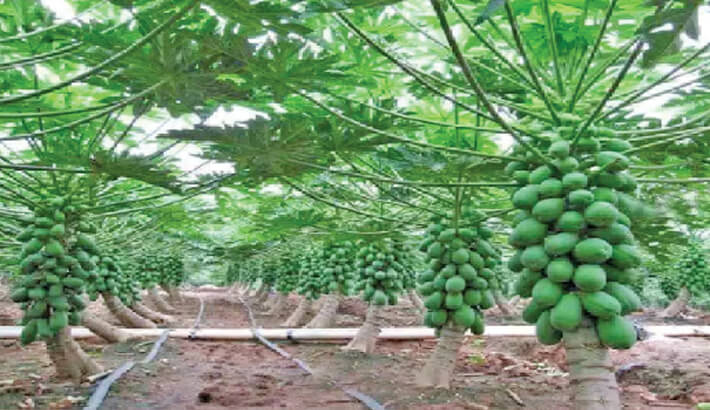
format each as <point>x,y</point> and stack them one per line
<point>137,167</point>
<point>491,8</point>
<point>662,30</point>
<point>329,6</point>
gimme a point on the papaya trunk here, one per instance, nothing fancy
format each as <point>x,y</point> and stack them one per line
<point>174,295</point>
<point>296,318</point>
<point>126,316</point>
<point>88,365</point>
<point>277,304</point>
<point>237,288</point>
<point>64,366</point>
<point>439,367</point>
<point>417,301</point>
<point>502,304</point>
<point>366,337</point>
<point>326,314</point>
<point>103,329</point>
<point>514,300</point>
<point>151,314</point>
<point>70,360</point>
<point>262,297</point>
<point>257,292</point>
<point>678,305</point>
<point>4,291</point>
<point>591,371</point>
<point>159,302</point>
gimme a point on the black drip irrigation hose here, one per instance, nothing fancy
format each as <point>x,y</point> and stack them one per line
<point>368,401</point>
<point>99,395</point>
<point>102,390</point>
<point>198,319</point>
<point>156,347</point>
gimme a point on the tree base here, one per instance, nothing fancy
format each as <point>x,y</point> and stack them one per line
<point>159,302</point>
<point>440,366</point>
<point>417,301</point>
<point>174,295</point>
<point>678,305</point>
<point>261,297</point>
<point>277,304</point>
<point>591,371</point>
<point>502,304</point>
<point>70,360</point>
<point>327,313</point>
<point>366,337</point>
<point>296,318</point>
<point>257,291</point>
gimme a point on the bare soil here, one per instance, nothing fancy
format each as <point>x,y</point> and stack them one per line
<point>493,373</point>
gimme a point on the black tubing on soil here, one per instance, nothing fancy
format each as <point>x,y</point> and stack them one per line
<point>156,347</point>
<point>198,319</point>
<point>102,390</point>
<point>368,401</point>
<point>98,396</point>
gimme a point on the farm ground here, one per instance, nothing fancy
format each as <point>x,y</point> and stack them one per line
<point>493,373</point>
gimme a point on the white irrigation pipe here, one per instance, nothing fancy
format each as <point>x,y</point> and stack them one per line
<point>391,333</point>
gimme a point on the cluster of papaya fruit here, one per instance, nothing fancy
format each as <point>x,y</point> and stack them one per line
<point>327,269</point>
<point>51,279</point>
<point>691,271</point>
<point>287,273</point>
<point>156,269</point>
<point>266,271</point>
<point>172,269</point>
<point>382,266</point>
<point>147,270</point>
<point>110,278</point>
<point>575,251</point>
<point>458,284</point>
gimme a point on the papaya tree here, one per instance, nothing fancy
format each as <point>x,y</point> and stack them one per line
<point>287,279</point>
<point>382,266</point>
<point>332,269</point>
<point>309,286</point>
<point>51,285</point>
<point>458,287</point>
<point>689,276</point>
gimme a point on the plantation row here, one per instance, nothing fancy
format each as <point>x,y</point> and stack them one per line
<point>455,154</point>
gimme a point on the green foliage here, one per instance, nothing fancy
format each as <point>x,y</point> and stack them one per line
<point>691,271</point>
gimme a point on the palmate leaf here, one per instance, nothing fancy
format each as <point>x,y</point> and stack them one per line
<point>662,30</point>
<point>287,221</point>
<point>255,18</point>
<point>328,6</point>
<point>137,167</point>
<point>289,65</point>
<point>260,149</point>
<point>187,63</point>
